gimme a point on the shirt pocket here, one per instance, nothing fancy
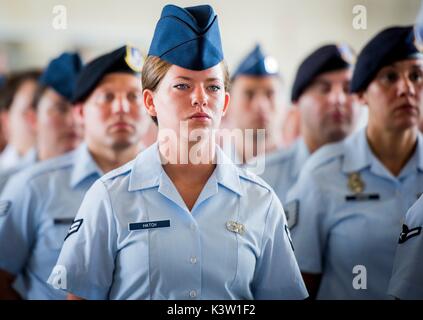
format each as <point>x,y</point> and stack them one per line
<point>56,232</point>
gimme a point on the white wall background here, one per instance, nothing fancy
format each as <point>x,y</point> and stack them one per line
<point>287,29</point>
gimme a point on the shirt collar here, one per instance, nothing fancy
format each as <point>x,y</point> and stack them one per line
<point>358,154</point>
<point>419,151</point>
<point>301,154</point>
<point>83,166</point>
<point>30,158</point>
<point>147,171</point>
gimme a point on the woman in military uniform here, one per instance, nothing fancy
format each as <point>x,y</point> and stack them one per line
<point>164,227</point>
<point>351,197</point>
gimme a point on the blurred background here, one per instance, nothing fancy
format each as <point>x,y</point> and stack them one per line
<point>287,29</point>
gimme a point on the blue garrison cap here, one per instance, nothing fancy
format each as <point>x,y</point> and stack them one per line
<point>257,64</point>
<point>327,58</point>
<point>61,74</point>
<point>388,46</point>
<point>125,59</point>
<point>188,37</point>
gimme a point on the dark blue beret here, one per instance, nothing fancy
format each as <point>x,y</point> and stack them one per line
<point>388,46</point>
<point>61,74</point>
<point>125,59</point>
<point>257,64</point>
<point>188,37</point>
<point>325,59</point>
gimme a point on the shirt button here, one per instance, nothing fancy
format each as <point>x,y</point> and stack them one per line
<point>193,260</point>
<point>193,293</point>
<point>193,228</point>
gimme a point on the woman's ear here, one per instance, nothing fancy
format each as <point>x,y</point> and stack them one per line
<point>148,97</point>
<point>226,105</point>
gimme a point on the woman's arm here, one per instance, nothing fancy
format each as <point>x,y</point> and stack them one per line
<point>73,297</point>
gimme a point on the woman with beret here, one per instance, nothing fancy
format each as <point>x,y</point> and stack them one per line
<point>351,198</point>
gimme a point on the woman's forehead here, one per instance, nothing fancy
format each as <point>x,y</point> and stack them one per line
<point>213,73</point>
<point>407,63</point>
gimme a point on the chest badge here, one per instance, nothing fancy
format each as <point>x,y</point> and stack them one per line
<point>355,183</point>
<point>235,227</point>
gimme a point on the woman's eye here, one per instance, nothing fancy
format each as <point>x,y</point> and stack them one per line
<point>181,86</point>
<point>214,88</point>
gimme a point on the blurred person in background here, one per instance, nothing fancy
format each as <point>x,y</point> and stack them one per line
<point>38,204</point>
<point>325,109</point>
<point>54,121</point>
<point>18,118</point>
<point>256,103</point>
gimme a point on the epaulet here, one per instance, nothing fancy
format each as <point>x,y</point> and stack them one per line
<point>324,155</point>
<point>279,156</point>
<point>47,166</point>
<point>252,177</point>
<point>122,170</point>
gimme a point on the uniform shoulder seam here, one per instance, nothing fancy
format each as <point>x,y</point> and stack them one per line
<point>253,178</point>
<point>122,170</point>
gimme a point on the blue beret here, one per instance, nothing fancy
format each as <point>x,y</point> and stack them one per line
<point>257,64</point>
<point>390,45</point>
<point>125,59</point>
<point>188,37</point>
<point>61,74</point>
<point>325,59</point>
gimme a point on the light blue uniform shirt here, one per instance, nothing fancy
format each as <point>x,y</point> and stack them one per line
<point>283,168</point>
<point>407,275</point>
<point>27,161</point>
<point>337,230</point>
<point>37,207</point>
<point>136,238</point>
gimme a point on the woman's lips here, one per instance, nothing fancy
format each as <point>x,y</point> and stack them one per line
<point>200,116</point>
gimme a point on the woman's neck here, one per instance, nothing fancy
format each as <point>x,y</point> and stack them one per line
<point>188,175</point>
<point>392,148</point>
<point>188,161</point>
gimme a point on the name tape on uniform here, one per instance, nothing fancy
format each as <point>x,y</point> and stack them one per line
<point>149,225</point>
<point>362,197</point>
<point>63,220</point>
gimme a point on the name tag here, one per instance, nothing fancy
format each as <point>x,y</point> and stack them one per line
<point>362,197</point>
<point>63,220</point>
<point>149,225</point>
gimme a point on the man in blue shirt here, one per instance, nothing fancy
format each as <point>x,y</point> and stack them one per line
<point>328,114</point>
<point>38,205</point>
